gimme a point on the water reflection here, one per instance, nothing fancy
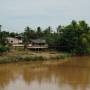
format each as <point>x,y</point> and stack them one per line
<point>73,75</point>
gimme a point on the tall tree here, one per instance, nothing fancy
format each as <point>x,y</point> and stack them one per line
<point>39,32</point>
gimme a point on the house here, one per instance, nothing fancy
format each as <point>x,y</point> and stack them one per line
<point>37,44</point>
<point>15,42</point>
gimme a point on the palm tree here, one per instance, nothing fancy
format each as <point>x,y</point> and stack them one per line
<point>0,27</point>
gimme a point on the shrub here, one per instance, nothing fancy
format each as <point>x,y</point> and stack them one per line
<point>3,49</point>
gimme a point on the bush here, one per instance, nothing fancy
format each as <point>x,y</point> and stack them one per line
<point>3,49</point>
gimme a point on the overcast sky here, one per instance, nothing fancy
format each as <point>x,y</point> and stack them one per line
<point>17,14</point>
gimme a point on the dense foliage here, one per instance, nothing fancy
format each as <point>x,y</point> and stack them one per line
<point>3,41</point>
<point>76,38</point>
<point>73,38</point>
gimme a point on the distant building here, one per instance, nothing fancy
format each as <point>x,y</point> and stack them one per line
<point>15,42</point>
<point>37,44</point>
<point>33,44</point>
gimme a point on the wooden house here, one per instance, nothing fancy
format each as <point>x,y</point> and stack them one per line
<point>37,44</point>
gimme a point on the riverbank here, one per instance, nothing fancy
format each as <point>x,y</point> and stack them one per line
<point>21,56</point>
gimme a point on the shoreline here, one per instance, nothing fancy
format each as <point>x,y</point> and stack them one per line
<point>15,59</point>
<point>39,63</point>
<point>27,56</point>
<point>46,58</point>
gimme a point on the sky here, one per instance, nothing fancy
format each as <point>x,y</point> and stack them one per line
<point>15,15</point>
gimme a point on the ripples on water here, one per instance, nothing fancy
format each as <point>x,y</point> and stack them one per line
<point>72,75</point>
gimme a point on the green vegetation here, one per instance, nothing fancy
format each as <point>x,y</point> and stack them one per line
<point>17,57</point>
<point>3,42</point>
<point>73,38</point>
<point>3,49</point>
<point>76,38</point>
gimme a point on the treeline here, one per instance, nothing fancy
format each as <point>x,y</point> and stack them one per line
<point>73,38</point>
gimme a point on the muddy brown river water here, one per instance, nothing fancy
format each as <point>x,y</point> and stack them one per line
<point>71,75</point>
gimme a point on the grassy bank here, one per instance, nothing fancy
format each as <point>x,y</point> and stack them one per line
<point>19,56</point>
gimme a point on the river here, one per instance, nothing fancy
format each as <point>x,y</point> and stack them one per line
<point>71,75</point>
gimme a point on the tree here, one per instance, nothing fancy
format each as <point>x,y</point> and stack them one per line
<point>3,38</point>
<point>3,41</point>
<point>39,32</point>
<point>28,35</point>
<point>12,34</point>
<point>0,27</point>
<point>75,38</point>
<point>59,28</point>
<point>48,31</point>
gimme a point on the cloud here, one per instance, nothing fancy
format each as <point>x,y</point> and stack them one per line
<point>17,13</point>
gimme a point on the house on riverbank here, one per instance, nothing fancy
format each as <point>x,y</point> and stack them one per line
<point>15,42</point>
<point>34,44</point>
<point>37,44</point>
